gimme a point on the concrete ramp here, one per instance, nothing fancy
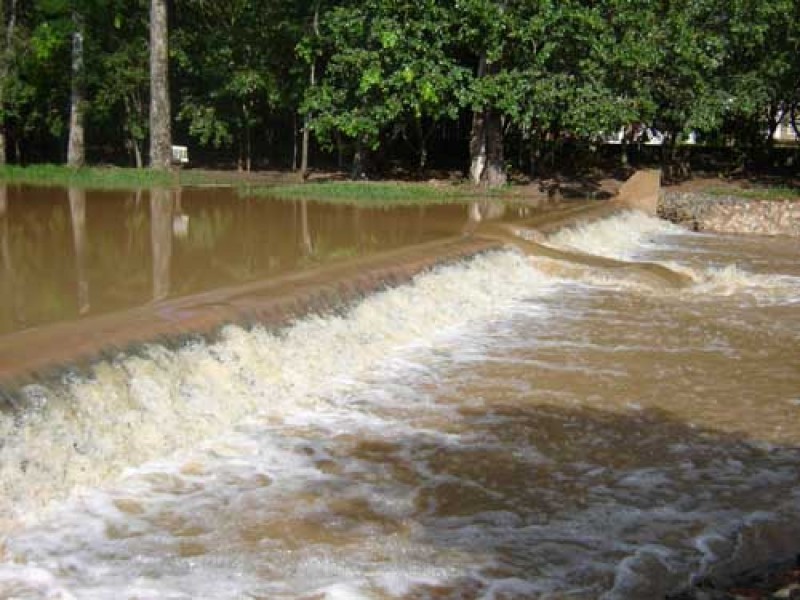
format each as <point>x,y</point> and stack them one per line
<point>641,192</point>
<point>41,352</point>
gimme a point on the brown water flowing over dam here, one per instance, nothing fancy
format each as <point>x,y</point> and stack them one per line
<point>221,397</point>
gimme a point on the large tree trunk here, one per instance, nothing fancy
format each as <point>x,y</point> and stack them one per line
<point>487,162</point>
<point>160,132</point>
<point>477,137</point>
<point>495,172</point>
<point>76,149</point>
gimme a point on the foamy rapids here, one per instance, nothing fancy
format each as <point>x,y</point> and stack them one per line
<point>377,454</point>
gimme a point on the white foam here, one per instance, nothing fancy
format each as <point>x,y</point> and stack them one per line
<point>293,410</point>
<point>137,408</point>
<point>634,235</point>
<point>732,279</point>
<point>621,237</point>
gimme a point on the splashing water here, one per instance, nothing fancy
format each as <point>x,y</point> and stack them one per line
<point>491,431</point>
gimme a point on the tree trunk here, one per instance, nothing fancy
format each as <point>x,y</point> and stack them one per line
<point>160,131</point>
<point>535,152</point>
<point>312,81</point>
<point>339,150</point>
<point>5,67</point>
<point>137,152</point>
<point>495,172</point>
<point>76,149</point>
<point>248,145</point>
<point>477,147</point>
<point>77,209</point>
<point>487,162</point>
<point>423,144</point>
<point>358,169</point>
<point>294,142</point>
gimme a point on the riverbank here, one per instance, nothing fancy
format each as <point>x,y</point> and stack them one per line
<point>320,185</point>
<point>730,213</point>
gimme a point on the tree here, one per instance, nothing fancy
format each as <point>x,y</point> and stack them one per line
<point>76,149</point>
<point>120,79</point>
<point>312,81</point>
<point>233,69</point>
<point>690,38</point>
<point>9,20</point>
<point>160,125</point>
<point>484,35</point>
<point>385,65</point>
<point>761,74</point>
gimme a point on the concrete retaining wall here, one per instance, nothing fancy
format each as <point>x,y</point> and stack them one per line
<point>730,214</point>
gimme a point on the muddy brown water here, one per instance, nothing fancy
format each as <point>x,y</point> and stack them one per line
<point>507,426</point>
<point>71,253</point>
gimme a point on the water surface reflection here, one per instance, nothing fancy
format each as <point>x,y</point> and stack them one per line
<point>69,253</point>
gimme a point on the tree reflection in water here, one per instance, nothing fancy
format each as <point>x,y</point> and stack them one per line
<point>161,212</point>
<point>77,209</point>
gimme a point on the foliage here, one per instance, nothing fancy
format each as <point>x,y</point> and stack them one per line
<point>395,73</point>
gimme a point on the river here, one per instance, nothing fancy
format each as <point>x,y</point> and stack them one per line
<point>504,427</point>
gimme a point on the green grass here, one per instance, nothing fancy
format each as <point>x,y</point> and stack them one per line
<point>365,193</point>
<point>86,177</point>
<point>106,178</point>
<point>777,194</point>
<point>368,193</point>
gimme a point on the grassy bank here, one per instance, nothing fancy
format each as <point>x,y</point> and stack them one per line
<point>369,193</point>
<point>777,194</point>
<point>86,177</point>
<point>277,185</point>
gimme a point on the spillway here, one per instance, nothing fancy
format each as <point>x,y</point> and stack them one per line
<point>508,425</point>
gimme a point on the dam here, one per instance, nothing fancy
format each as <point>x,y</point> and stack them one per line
<point>214,396</point>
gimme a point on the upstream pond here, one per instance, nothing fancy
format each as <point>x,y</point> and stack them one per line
<point>504,427</point>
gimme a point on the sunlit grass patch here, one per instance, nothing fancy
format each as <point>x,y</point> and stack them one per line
<point>779,193</point>
<point>86,177</point>
<point>368,193</point>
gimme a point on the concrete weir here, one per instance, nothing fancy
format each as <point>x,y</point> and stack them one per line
<point>33,353</point>
<point>40,352</point>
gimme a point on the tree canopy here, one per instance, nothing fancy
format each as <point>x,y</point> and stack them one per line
<point>486,83</point>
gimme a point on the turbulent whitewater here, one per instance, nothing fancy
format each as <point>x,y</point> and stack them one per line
<point>501,428</point>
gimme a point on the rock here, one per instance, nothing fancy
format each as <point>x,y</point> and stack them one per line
<point>730,214</point>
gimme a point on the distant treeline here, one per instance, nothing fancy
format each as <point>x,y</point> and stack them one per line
<point>477,85</point>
